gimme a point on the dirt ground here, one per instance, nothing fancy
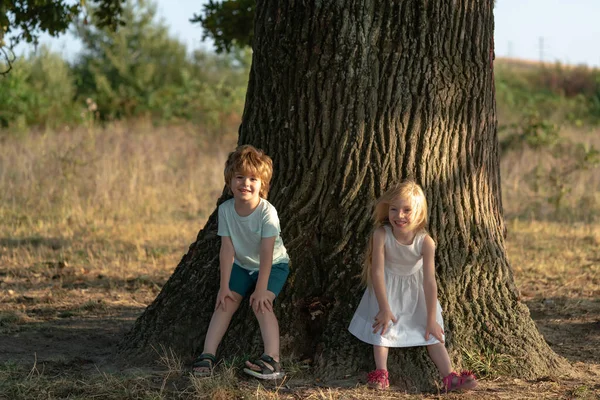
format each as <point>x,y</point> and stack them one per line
<point>61,343</point>
<point>88,343</point>
<point>58,320</point>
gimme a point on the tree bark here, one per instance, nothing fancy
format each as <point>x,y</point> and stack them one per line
<point>348,97</point>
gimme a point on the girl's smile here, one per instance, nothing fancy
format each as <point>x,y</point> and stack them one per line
<point>400,212</point>
<point>400,216</point>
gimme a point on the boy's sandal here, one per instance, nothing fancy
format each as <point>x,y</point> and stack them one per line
<point>465,381</point>
<point>378,379</point>
<point>270,369</point>
<point>203,365</point>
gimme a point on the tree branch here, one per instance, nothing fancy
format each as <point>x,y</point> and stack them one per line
<point>9,56</point>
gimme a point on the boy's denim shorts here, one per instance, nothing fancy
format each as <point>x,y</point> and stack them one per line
<point>242,280</point>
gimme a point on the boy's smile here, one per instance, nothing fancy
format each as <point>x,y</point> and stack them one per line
<point>246,188</point>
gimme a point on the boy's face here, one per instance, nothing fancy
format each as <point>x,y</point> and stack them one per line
<point>245,186</point>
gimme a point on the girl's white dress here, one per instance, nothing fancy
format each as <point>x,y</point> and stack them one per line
<point>406,297</point>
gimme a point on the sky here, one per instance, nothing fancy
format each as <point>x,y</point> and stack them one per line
<point>549,30</point>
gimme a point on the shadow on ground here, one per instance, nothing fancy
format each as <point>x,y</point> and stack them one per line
<point>79,341</point>
<point>571,326</point>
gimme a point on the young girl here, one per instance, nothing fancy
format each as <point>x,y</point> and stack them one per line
<point>252,259</point>
<point>400,306</point>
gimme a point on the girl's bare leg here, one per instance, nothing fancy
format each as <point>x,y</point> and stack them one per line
<point>439,356</point>
<point>381,354</point>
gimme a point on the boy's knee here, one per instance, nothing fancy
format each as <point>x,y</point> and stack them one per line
<point>262,312</point>
<point>233,303</point>
<point>257,313</point>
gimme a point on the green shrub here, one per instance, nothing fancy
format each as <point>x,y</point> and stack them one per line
<point>140,71</point>
<point>38,92</point>
<point>556,92</point>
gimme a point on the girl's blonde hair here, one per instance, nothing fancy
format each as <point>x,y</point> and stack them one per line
<point>406,190</point>
<point>247,159</point>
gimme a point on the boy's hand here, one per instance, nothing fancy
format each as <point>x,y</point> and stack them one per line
<point>261,301</point>
<point>382,321</point>
<point>221,296</point>
<point>433,328</point>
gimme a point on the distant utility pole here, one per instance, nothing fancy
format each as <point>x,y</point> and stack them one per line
<point>510,49</point>
<point>541,49</point>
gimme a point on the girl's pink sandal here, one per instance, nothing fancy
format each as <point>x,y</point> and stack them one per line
<point>465,381</point>
<point>378,379</point>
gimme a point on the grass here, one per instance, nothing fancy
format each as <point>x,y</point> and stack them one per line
<point>93,222</point>
<point>566,262</point>
<point>108,213</point>
<point>552,183</point>
<point>487,364</point>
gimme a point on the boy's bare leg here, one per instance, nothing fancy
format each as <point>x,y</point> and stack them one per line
<point>219,323</point>
<point>439,356</point>
<point>269,329</point>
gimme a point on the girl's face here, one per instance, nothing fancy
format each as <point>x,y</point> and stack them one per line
<point>245,187</point>
<point>400,213</point>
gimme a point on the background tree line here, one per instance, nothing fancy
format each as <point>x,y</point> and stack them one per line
<point>140,70</point>
<point>137,71</point>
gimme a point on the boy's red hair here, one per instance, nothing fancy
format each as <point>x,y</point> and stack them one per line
<point>247,159</point>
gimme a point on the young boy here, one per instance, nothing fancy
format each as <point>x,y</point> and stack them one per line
<point>252,256</point>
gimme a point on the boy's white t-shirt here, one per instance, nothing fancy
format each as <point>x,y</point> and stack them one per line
<point>247,232</point>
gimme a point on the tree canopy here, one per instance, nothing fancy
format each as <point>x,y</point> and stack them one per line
<point>228,23</point>
<point>25,21</point>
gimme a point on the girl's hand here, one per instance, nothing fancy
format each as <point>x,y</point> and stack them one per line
<point>433,328</point>
<point>261,301</point>
<point>221,296</point>
<point>382,321</point>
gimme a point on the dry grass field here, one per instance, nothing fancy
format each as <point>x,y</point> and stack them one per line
<point>93,222</point>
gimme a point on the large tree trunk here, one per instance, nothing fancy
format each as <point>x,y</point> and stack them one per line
<point>349,97</point>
